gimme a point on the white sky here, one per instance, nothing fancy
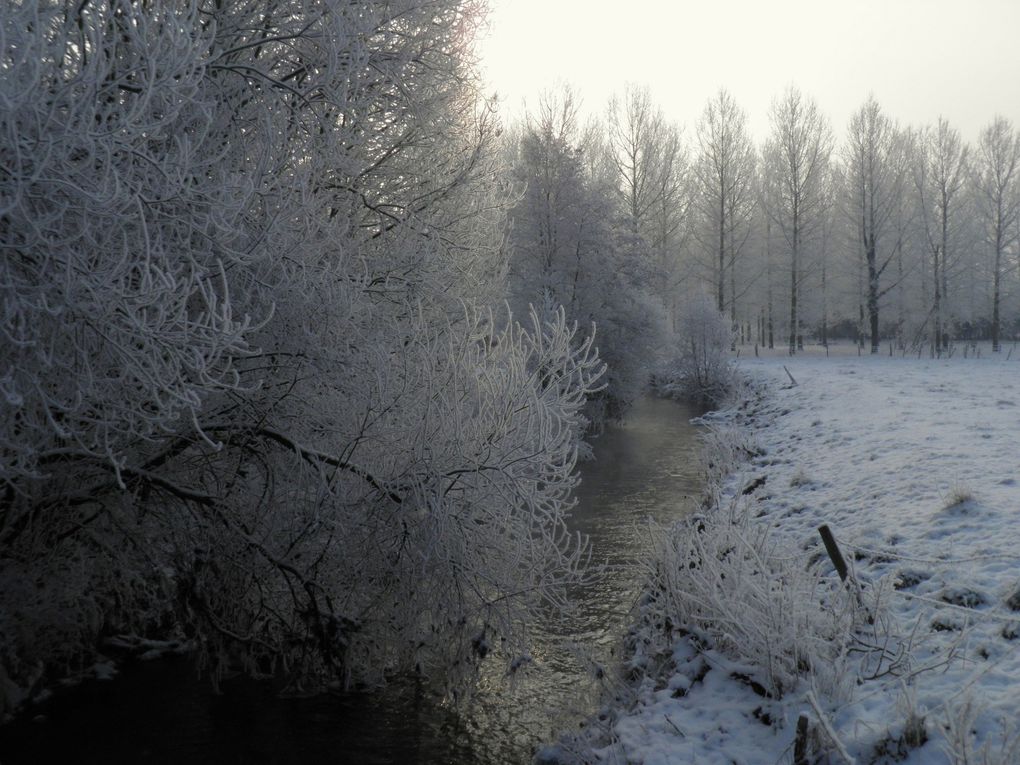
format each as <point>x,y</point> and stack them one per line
<point>921,58</point>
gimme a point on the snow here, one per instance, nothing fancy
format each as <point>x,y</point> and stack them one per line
<point>915,466</point>
<point>712,720</point>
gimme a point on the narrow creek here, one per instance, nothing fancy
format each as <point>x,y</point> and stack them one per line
<point>161,712</point>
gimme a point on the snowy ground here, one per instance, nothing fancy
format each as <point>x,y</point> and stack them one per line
<point>915,466</point>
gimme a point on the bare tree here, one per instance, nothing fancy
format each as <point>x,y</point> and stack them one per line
<point>996,170</point>
<point>651,164</point>
<point>874,187</point>
<point>939,176</point>
<point>636,132</point>
<point>796,169</point>
<point>724,177</point>
<point>667,227</point>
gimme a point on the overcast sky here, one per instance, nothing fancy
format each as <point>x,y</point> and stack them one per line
<point>921,58</point>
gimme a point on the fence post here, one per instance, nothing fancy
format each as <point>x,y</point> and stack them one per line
<point>841,568</point>
<point>833,550</point>
<point>800,741</point>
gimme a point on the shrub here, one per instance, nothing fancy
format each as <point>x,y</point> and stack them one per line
<point>702,370</point>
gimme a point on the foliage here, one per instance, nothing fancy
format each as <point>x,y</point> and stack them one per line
<point>702,370</point>
<point>570,247</point>
<point>249,395</point>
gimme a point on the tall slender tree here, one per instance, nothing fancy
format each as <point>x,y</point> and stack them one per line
<point>796,170</point>
<point>874,182</point>
<point>724,181</point>
<point>939,176</point>
<point>651,166</point>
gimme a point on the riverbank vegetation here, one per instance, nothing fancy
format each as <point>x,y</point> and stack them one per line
<point>300,340</point>
<point>261,394</point>
<point>749,642</point>
<point>702,370</point>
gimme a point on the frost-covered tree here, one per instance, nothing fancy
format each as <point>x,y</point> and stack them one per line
<point>726,192</point>
<point>252,395</point>
<point>567,246</point>
<point>996,182</point>
<point>939,177</point>
<point>651,164</point>
<point>795,174</point>
<point>701,370</point>
<point>874,185</point>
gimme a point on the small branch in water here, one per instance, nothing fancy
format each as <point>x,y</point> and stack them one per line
<point>789,375</point>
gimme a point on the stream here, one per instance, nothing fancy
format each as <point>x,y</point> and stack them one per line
<point>162,712</point>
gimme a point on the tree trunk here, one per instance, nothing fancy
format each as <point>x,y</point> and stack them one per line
<point>772,343</point>
<point>943,274</point>
<point>793,290</point>
<point>825,308</point>
<point>872,295</point>
<point>937,307</point>
<point>901,319</point>
<point>996,279</point>
<point>721,284</point>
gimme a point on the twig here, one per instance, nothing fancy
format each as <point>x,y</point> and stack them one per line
<point>824,723</point>
<point>682,734</point>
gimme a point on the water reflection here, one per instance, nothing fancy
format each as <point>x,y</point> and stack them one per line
<point>161,712</point>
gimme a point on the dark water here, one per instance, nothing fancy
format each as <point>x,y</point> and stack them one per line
<point>161,712</point>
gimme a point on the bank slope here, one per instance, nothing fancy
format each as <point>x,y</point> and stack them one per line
<point>915,467</point>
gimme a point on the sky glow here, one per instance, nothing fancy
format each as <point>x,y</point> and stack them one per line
<point>921,58</point>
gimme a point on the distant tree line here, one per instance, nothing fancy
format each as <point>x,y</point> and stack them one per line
<point>895,233</point>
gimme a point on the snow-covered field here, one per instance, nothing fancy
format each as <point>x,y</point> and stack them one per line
<point>915,466</point>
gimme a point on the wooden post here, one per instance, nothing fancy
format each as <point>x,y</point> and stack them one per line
<point>841,568</point>
<point>833,550</point>
<point>800,742</point>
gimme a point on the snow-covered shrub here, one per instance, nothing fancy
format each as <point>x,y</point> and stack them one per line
<point>249,395</point>
<point>725,576</point>
<point>969,740</point>
<point>566,248</point>
<point>702,370</point>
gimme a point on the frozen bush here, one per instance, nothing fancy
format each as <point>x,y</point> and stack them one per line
<point>726,576</point>
<point>250,392</point>
<point>702,370</point>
